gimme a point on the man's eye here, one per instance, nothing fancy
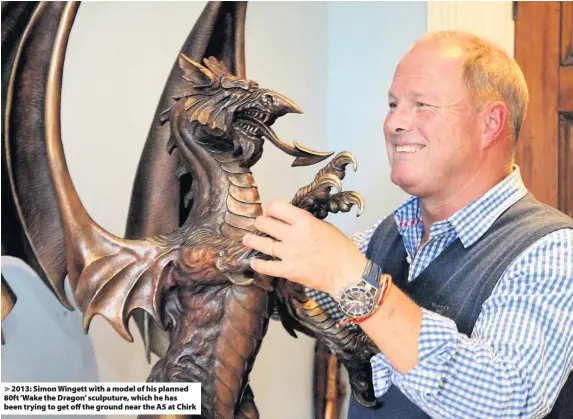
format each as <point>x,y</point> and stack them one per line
<point>392,105</point>
<point>421,105</point>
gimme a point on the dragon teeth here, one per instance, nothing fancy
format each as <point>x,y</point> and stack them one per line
<point>247,128</point>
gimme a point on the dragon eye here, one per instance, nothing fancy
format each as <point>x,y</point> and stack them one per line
<point>266,99</point>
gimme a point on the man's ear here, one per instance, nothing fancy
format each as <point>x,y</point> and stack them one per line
<point>494,117</point>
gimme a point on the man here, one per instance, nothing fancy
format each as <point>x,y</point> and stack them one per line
<point>479,322</point>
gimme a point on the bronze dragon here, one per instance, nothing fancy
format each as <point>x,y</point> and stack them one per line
<point>185,276</point>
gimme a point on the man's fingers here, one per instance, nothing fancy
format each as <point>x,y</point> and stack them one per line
<point>268,267</point>
<point>272,227</point>
<point>284,212</point>
<point>264,245</point>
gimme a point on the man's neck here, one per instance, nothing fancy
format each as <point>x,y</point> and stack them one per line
<point>435,209</point>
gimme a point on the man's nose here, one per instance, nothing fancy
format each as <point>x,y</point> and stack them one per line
<point>399,119</point>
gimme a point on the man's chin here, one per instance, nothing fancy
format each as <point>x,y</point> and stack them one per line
<point>406,182</point>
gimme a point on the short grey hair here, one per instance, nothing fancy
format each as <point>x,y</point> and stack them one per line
<point>489,72</point>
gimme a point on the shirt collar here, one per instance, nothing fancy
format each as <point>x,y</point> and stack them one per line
<point>472,221</point>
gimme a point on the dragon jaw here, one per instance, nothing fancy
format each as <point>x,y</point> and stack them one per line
<point>253,120</point>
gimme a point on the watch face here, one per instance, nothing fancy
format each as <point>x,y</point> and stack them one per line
<point>356,301</point>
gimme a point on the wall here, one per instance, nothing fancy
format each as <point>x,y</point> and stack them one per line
<point>363,52</point>
<point>491,19</point>
<point>334,59</point>
<point>362,55</point>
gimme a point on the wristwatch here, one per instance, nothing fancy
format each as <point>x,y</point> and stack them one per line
<point>358,300</point>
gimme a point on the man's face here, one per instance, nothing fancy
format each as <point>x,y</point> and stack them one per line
<point>432,133</point>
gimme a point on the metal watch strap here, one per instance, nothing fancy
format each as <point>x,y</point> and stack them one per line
<point>372,273</point>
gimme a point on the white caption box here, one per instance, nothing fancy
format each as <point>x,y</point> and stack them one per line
<point>104,398</point>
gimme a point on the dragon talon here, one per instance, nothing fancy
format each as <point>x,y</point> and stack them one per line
<point>344,158</point>
<point>330,180</point>
<point>358,201</point>
<point>361,400</point>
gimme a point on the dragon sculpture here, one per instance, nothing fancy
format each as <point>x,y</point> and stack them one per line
<point>182,269</point>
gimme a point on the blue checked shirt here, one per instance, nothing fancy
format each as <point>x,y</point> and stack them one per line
<point>520,352</point>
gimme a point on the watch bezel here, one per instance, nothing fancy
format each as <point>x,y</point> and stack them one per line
<point>363,288</point>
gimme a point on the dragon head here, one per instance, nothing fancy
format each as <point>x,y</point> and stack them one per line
<point>234,114</point>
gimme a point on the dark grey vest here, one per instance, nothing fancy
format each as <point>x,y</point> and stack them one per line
<point>457,283</point>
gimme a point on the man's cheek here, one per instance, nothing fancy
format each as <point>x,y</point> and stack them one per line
<point>390,152</point>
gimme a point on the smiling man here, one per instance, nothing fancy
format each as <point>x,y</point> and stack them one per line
<point>467,288</point>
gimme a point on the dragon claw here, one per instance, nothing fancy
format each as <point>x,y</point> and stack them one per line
<point>330,180</point>
<point>344,201</point>
<point>316,197</point>
<point>362,400</point>
<point>345,158</point>
<point>358,201</point>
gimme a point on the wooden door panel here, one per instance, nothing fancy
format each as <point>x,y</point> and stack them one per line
<point>565,103</point>
<point>537,52</point>
<point>544,50</point>
<point>566,164</point>
<point>567,33</point>
<point>565,109</point>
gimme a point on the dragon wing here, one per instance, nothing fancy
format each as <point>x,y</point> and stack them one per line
<point>46,224</point>
<point>28,196</point>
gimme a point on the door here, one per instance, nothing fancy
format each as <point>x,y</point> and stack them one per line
<point>544,50</point>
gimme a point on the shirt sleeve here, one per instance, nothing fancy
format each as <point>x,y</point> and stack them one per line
<point>520,352</point>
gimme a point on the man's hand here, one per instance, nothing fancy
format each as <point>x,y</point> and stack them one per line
<point>307,250</point>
